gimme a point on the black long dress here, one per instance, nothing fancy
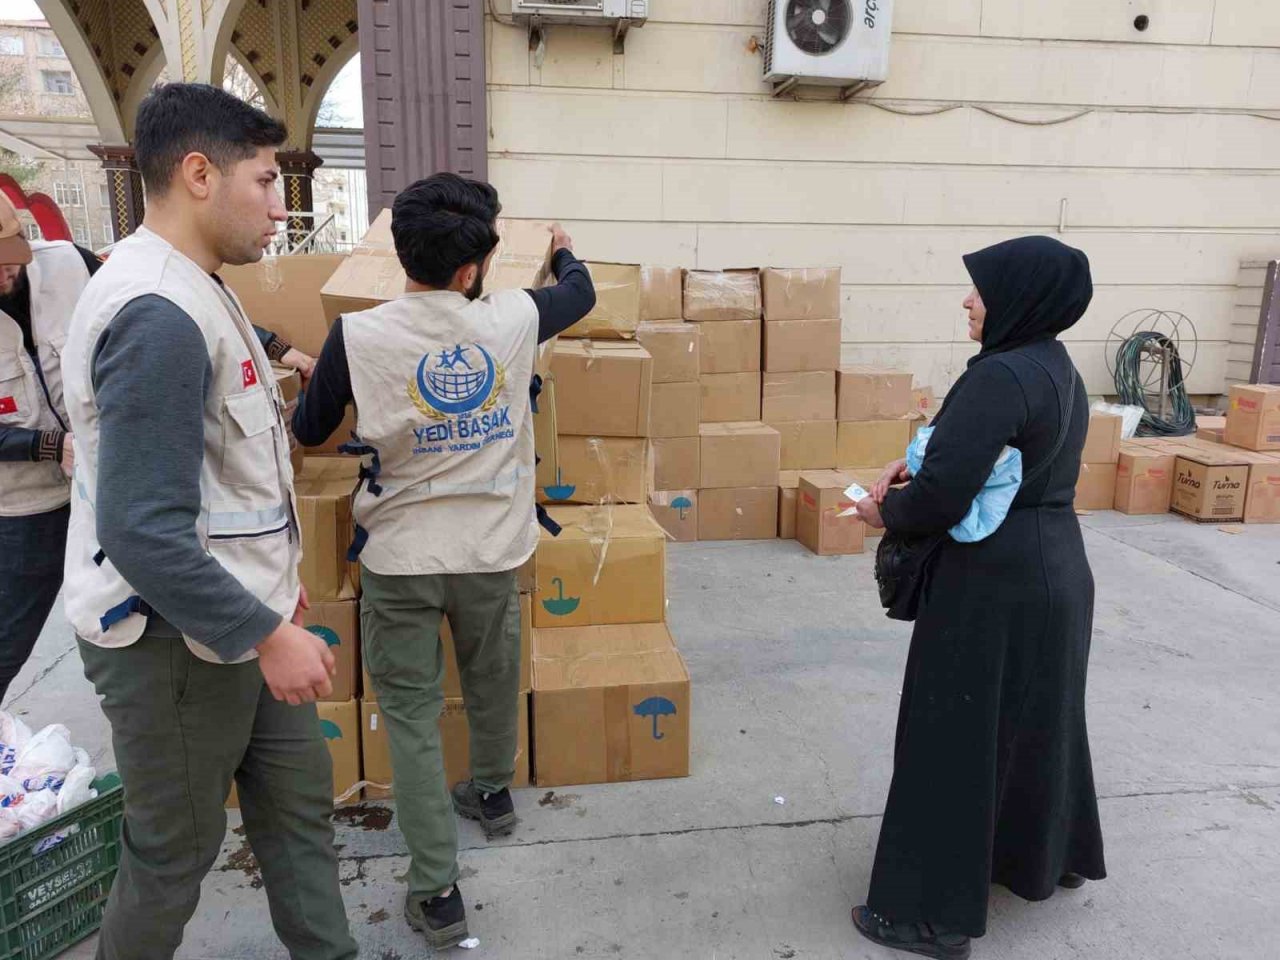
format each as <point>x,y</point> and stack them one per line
<point>992,776</point>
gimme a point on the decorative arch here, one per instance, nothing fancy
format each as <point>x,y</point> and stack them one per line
<point>148,72</point>
<point>220,25</point>
<point>269,98</point>
<point>323,81</point>
<point>88,68</point>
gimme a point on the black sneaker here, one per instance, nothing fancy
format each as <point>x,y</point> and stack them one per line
<point>442,920</point>
<point>495,811</point>
<point>1071,881</point>
<point>922,938</point>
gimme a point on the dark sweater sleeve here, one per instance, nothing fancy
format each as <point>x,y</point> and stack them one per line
<point>275,346</point>
<point>571,299</point>
<point>323,404</point>
<point>988,411</point>
<point>91,261</point>
<point>18,444</point>
<point>151,377</point>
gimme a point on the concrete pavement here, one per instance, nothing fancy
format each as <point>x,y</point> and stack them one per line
<point>796,676</point>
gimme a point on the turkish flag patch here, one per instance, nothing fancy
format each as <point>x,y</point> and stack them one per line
<point>8,405</point>
<point>248,373</point>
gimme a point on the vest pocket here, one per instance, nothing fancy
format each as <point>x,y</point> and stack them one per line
<point>248,438</point>
<point>14,406</point>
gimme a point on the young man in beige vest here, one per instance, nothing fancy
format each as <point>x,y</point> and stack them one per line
<point>182,553</point>
<point>440,378</point>
<point>39,286</point>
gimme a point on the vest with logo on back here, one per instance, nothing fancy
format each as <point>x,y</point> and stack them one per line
<point>247,519</point>
<point>441,388</point>
<point>31,389</point>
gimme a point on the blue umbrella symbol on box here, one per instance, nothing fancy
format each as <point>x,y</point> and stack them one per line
<point>560,490</point>
<point>682,504</point>
<point>329,636</point>
<point>656,707</point>
<point>330,730</point>
<point>560,606</point>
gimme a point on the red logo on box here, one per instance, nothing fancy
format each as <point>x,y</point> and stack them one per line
<point>249,374</point>
<point>8,405</point>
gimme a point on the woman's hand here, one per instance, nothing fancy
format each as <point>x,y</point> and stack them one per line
<point>895,472</point>
<point>869,513</point>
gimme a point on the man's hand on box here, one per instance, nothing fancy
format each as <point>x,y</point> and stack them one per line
<point>296,664</point>
<point>304,364</point>
<point>560,240</point>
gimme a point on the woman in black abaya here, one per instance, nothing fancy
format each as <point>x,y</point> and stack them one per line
<point>992,779</point>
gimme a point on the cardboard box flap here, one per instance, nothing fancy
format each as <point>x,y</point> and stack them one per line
<point>721,295</point>
<point>617,310</point>
<point>789,479</point>
<point>603,523</point>
<point>601,349</point>
<point>804,293</point>
<point>661,293</point>
<point>620,654</point>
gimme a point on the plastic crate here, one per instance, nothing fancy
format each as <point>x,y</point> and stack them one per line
<point>54,880</point>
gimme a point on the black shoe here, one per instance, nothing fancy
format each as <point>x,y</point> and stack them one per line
<point>442,920</point>
<point>922,938</point>
<point>495,811</point>
<point>1071,881</point>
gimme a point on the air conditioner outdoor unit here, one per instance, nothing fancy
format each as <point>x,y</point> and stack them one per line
<point>582,11</point>
<point>833,42</point>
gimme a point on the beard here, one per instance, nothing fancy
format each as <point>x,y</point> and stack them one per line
<point>474,291</point>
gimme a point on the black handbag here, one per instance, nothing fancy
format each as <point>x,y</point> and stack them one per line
<point>902,562</point>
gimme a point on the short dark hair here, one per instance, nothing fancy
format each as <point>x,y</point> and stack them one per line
<point>176,119</point>
<point>442,223</point>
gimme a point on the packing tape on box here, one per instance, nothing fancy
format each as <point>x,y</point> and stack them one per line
<point>269,273</point>
<point>600,316</point>
<point>356,788</point>
<point>722,295</point>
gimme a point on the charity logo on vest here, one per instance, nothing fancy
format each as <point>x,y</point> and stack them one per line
<point>458,389</point>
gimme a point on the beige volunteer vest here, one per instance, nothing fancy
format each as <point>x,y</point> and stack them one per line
<point>31,390</point>
<point>441,386</point>
<point>247,518</point>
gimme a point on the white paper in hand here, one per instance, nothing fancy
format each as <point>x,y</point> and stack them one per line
<point>856,494</point>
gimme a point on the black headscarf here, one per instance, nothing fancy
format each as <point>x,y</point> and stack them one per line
<point>1033,288</point>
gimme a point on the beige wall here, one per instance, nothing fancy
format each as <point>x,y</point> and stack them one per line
<point>675,153</point>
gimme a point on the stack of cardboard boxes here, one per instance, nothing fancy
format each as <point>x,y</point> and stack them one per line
<point>1099,462</point>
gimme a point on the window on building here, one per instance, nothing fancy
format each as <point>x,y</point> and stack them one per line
<point>68,194</point>
<point>104,195</point>
<point>11,47</point>
<point>58,81</point>
<point>81,233</point>
<point>50,47</point>
<point>33,231</point>
<point>108,235</point>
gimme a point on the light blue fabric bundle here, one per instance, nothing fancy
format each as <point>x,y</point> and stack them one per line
<point>991,505</point>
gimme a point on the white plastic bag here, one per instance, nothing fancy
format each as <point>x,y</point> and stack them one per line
<point>37,808</point>
<point>11,792</point>
<point>9,825</point>
<point>46,759</point>
<point>78,788</point>
<point>14,735</point>
<point>1132,416</point>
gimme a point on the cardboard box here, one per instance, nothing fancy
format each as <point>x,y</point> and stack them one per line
<point>807,444</point>
<point>1102,444</point>
<point>661,293</point>
<point>818,525</point>
<point>546,440</point>
<point>607,566</point>
<point>1262,499</point>
<point>1211,428</point>
<point>455,739</point>
<point>289,381</point>
<point>925,403</point>
<point>872,444</point>
<point>745,454</point>
<point>1144,481</point>
<point>617,311</point>
<point>732,346</point>
<point>788,491</point>
<point>1208,486</point>
<point>676,512</point>
<point>721,295</point>
<point>867,478</point>
<point>340,727</point>
<point>675,348</point>
<point>452,683</point>
<point>282,294</point>
<point>677,463</point>
<point>738,513</point>
<point>324,514</point>
<point>1096,488</point>
<point>808,293</point>
<point>610,704</point>
<point>337,623</point>
<point>729,397</point>
<point>865,393</point>
<point>603,388</point>
<point>372,273</point>
<point>676,409</point>
<point>600,470</point>
<point>794,345</point>
<point>809,395</point>
<point>1253,417</point>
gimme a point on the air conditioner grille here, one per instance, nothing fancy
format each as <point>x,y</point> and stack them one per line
<point>768,37</point>
<point>818,26</point>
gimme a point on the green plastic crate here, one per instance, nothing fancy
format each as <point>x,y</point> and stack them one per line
<point>54,880</point>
